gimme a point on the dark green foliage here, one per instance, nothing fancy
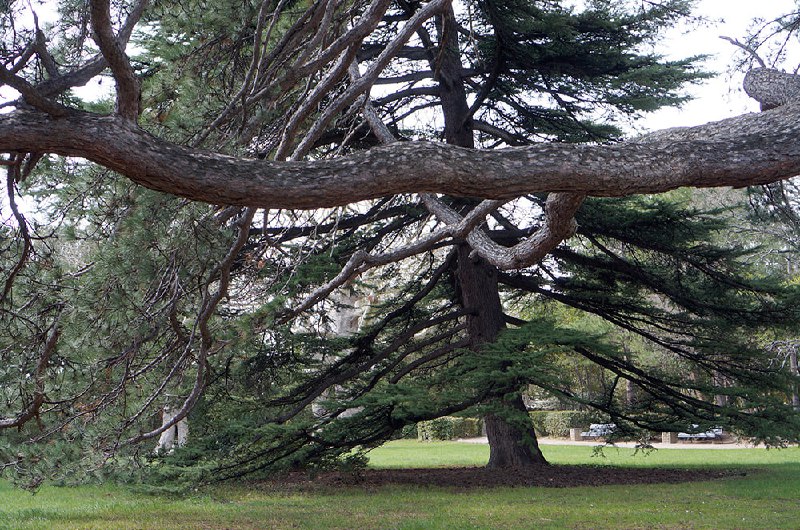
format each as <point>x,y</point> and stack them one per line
<point>649,317</point>
<point>579,60</point>
<point>409,432</point>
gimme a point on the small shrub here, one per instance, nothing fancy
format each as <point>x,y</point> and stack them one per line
<point>409,431</point>
<point>467,427</point>
<point>537,418</point>
<point>448,428</point>
<point>558,423</point>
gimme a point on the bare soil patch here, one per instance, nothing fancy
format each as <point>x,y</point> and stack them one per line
<point>551,476</point>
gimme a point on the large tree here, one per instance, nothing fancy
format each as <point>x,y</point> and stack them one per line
<point>281,83</point>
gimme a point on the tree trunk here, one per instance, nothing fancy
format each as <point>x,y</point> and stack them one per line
<point>175,436</point>
<point>721,400</point>
<point>630,390</point>
<point>509,445</point>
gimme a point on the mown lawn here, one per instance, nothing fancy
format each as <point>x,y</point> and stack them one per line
<point>767,497</point>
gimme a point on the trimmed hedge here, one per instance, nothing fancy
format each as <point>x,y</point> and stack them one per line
<point>448,428</point>
<point>409,431</point>
<point>557,423</point>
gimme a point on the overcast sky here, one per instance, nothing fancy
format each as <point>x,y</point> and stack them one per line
<point>722,96</point>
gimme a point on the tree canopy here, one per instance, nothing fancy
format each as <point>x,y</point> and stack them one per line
<point>753,149</point>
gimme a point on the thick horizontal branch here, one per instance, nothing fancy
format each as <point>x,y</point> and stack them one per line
<point>746,150</point>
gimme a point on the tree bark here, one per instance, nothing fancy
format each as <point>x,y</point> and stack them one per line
<point>175,436</point>
<point>509,445</point>
<point>747,150</point>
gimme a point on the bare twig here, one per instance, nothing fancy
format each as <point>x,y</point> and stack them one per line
<point>32,410</point>
<point>749,49</point>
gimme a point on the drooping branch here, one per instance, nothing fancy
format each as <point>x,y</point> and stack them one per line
<point>221,276</point>
<point>344,373</point>
<point>379,129</point>
<point>261,35</point>
<point>32,409</point>
<point>22,223</point>
<point>47,60</point>
<point>363,261</point>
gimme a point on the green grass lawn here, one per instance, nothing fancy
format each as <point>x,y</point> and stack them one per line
<point>768,497</point>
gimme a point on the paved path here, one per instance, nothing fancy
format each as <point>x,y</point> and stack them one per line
<point>682,445</point>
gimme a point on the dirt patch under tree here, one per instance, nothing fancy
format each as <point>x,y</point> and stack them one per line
<point>554,476</point>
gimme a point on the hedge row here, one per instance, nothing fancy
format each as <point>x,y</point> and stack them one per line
<point>556,423</point>
<point>448,428</point>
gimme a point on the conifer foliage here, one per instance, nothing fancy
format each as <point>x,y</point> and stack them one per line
<point>290,337</point>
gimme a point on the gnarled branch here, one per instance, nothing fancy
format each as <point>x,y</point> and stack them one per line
<point>742,151</point>
<point>559,225</point>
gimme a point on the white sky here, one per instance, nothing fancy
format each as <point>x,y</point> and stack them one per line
<point>722,96</point>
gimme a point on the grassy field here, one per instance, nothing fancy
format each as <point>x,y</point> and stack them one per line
<point>768,497</point>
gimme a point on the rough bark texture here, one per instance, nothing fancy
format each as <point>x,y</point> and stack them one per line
<point>175,436</point>
<point>509,446</point>
<point>559,224</point>
<point>750,149</point>
<point>453,95</point>
<point>771,88</point>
